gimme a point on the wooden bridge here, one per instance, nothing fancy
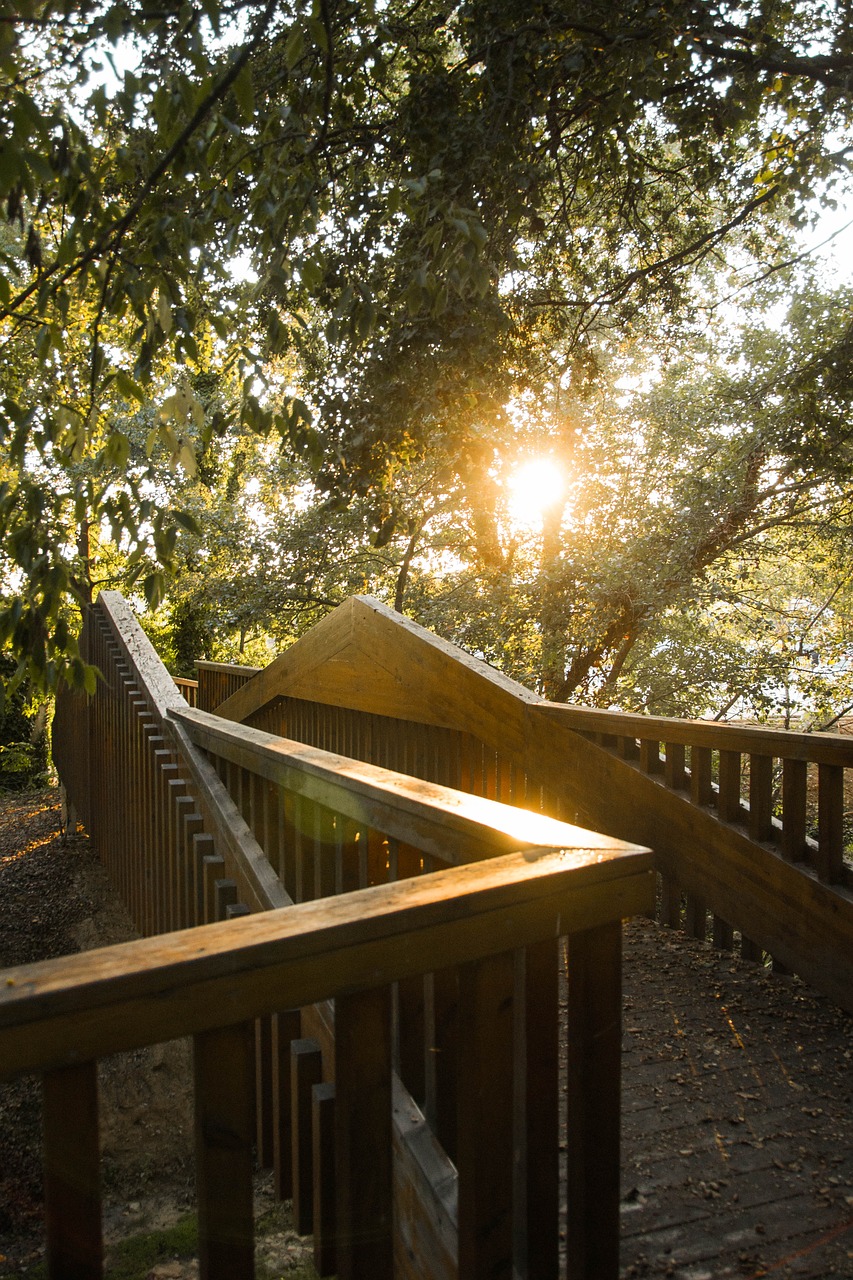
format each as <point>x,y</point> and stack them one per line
<point>365,894</point>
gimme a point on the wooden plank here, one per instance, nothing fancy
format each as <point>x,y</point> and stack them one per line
<point>306,1066</point>
<point>701,788</point>
<point>162,988</point>
<point>538,1155</point>
<point>441,1033</point>
<point>728,800</point>
<point>72,1177</point>
<point>285,1027</point>
<point>783,744</point>
<point>674,770</point>
<point>222,1067</point>
<point>794,805</point>
<point>485,1121</point>
<point>593,1102</point>
<point>761,797</point>
<point>425,1196</point>
<point>325,1191</point>
<point>449,824</point>
<point>363,1135</point>
<point>830,842</point>
<point>263,1092</point>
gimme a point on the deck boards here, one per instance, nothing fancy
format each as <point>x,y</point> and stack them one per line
<point>737,1142</point>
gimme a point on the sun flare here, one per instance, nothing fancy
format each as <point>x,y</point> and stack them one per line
<point>534,489</point>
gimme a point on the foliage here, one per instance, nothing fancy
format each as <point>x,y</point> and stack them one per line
<point>464,219</point>
<point>23,736</point>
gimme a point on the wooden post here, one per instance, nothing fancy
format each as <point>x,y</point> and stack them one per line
<point>441,1010</point>
<point>263,1091</point>
<point>72,1188</point>
<point>306,1064</point>
<point>830,857</point>
<point>223,1129</point>
<point>794,800</point>
<point>701,789</point>
<point>593,1103</point>
<point>729,794</point>
<point>537,1129</point>
<point>761,798</point>
<point>325,1193</point>
<point>285,1027</point>
<point>674,771</point>
<point>363,1135</point>
<point>485,1118</point>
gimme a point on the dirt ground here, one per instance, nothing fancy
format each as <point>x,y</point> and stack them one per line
<point>56,900</point>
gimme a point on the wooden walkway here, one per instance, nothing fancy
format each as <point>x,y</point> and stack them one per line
<point>737,1118</point>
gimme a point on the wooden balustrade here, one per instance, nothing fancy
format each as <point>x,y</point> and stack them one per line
<point>229,820</point>
<point>188,689</point>
<point>60,1017</point>
<point>748,824</point>
<point>326,775</point>
<point>217,681</point>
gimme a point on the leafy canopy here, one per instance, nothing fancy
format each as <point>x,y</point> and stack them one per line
<point>448,207</point>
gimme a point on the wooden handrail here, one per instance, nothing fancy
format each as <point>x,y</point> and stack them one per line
<point>784,744</point>
<point>453,826</point>
<point>60,1017</point>
<point>745,820</point>
<point>55,1013</point>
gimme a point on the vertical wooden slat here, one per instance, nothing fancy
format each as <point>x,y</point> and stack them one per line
<point>537,1140</point>
<point>263,1092</point>
<point>441,1022</point>
<point>484,1125</point>
<point>222,1062</point>
<point>670,902</point>
<point>729,794</point>
<point>306,1065</point>
<point>363,1167</point>
<point>695,917</point>
<point>650,757</point>
<point>224,896</point>
<point>325,1190</point>
<point>794,802</point>
<point>674,771</point>
<point>593,1102</point>
<point>202,845</point>
<point>761,797</point>
<point>723,935</point>
<point>701,788</point>
<point>213,864</point>
<point>72,1189</point>
<point>830,840</point>
<point>285,1027</point>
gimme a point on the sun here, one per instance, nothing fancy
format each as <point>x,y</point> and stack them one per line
<point>535,488</point>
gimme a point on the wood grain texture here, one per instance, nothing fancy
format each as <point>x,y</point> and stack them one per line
<point>72,1180</point>
<point>224,1128</point>
<point>178,984</point>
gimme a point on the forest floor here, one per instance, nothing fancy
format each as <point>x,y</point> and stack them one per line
<point>737,1106</point>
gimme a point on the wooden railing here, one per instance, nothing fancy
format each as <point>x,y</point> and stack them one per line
<point>218,680</point>
<point>748,825</point>
<point>202,820</point>
<point>189,689</point>
<point>60,1017</point>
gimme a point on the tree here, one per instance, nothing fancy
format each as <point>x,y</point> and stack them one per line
<point>448,206</point>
